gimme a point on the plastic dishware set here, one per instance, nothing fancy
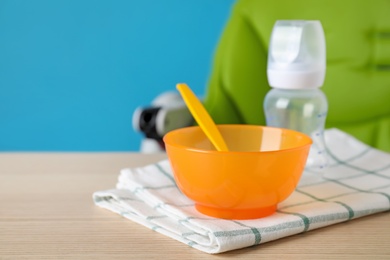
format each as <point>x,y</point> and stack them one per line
<point>245,171</point>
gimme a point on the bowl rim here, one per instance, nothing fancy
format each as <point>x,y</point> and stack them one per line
<point>168,135</point>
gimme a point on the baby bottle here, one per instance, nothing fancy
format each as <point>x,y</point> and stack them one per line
<point>296,71</point>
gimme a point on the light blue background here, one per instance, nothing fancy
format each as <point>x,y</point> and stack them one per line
<point>72,72</point>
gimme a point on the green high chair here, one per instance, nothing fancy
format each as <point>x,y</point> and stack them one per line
<point>357,82</point>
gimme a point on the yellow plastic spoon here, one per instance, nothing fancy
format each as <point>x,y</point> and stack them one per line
<point>202,117</point>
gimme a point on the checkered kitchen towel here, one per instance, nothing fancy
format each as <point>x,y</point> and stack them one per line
<point>356,184</point>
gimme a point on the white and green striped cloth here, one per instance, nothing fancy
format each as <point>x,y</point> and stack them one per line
<point>356,184</point>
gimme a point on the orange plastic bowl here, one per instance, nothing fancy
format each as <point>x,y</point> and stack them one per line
<point>262,168</point>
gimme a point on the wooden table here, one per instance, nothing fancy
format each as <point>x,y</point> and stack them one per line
<point>46,212</point>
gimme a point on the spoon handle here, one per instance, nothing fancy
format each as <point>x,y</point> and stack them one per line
<point>202,117</point>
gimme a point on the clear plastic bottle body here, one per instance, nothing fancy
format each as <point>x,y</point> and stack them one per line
<point>303,110</point>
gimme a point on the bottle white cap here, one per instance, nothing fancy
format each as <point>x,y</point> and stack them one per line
<point>297,55</point>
